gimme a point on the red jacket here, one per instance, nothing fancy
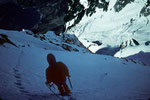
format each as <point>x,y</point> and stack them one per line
<point>57,74</point>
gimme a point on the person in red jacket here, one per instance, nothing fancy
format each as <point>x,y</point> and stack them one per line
<point>56,73</point>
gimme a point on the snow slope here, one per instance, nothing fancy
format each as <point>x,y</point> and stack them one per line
<point>141,57</point>
<point>94,77</point>
<point>113,28</point>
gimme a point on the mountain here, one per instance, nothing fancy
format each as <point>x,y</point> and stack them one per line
<point>53,14</point>
<point>117,26</point>
<point>62,42</point>
<point>49,14</point>
<point>23,63</point>
<point>143,57</point>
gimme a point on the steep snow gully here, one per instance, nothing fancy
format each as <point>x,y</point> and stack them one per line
<point>94,77</point>
<point>120,30</point>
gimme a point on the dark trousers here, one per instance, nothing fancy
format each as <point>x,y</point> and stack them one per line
<point>63,89</point>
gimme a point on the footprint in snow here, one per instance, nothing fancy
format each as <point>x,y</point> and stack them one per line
<point>18,82</point>
<point>101,78</point>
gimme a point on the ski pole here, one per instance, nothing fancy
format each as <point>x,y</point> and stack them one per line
<point>52,85</point>
<point>48,85</point>
<point>70,82</point>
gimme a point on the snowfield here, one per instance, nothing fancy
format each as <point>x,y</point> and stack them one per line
<point>113,28</point>
<point>94,77</point>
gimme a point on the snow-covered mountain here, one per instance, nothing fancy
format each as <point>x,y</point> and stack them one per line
<point>111,27</point>
<point>118,28</point>
<point>23,63</point>
<point>121,27</point>
<point>48,40</point>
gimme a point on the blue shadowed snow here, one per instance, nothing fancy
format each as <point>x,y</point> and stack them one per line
<point>141,57</point>
<point>108,51</point>
<point>94,77</point>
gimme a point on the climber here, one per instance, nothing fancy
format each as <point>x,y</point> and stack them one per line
<point>56,73</point>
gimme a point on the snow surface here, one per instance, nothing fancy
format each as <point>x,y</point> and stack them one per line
<point>94,77</point>
<point>143,57</point>
<point>112,28</point>
<point>84,3</point>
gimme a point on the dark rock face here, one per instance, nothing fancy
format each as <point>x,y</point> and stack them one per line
<point>95,3</point>
<point>39,16</point>
<point>7,1</point>
<point>120,4</point>
<point>52,14</point>
<point>13,17</point>
<point>135,42</point>
<point>4,39</point>
<point>77,10</point>
<point>147,43</point>
<point>132,42</point>
<point>146,9</point>
<point>97,42</point>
